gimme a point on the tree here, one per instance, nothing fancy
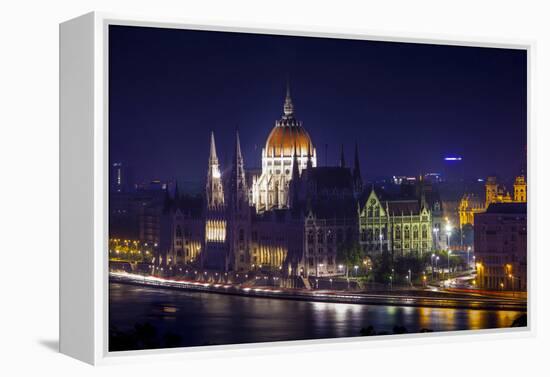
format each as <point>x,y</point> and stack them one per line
<point>382,266</point>
<point>349,254</point>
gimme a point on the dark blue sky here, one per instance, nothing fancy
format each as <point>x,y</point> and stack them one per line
<point>407,105</point>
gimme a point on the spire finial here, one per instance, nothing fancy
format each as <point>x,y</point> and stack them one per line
<point>213,155</point>
<point>238,154</point>
<point>288,107</point>
<point>342,158</point>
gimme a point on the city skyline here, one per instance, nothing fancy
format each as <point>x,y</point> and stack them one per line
<point>159,125</point>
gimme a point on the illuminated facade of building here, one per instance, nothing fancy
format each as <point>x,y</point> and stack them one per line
<point>501,247</point>
<point>470,205</point>
<point>267,222</point>
<point>287,140</point>
<point>400,225</point>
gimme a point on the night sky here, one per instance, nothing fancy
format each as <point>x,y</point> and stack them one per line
<point>407,105</point>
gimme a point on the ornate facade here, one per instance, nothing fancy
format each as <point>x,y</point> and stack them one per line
<point>399,225</point>
<point>289,219</point>
<point>470,204</point>
<point>288,144</point>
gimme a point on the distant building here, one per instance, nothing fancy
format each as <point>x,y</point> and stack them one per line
<point>454,169</point>
<point>121,178</point>
<point>471,204</point>
<point>501,246</point>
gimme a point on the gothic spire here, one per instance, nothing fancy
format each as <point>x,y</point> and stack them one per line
<point>176,193</point>
<point>214,186</point>
<point>213,155</point>
<point>357,180</point>
<point>288,107</point>
<point>309,161</point>
<point>238,154</point>
<point>356,169</point>
<point>342,158</point>
<point>238,181</point>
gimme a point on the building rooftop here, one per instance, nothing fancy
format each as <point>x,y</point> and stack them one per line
<point>507,208</point>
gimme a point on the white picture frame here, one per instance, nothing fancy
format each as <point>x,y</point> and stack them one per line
<point>84,191</point>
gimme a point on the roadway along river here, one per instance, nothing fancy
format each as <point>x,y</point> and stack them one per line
<point>144,317</point>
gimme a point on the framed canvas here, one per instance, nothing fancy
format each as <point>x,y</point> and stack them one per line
<point>228,188</point>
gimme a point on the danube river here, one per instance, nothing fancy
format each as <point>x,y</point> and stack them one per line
<point>144,317</point>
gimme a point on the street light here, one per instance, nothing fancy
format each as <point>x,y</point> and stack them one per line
<point>355,268</point>
<point>512,277</point>
<point>448,230</point>
<point>449,264</point>
<point>468,257</point>
<point>433,257</point>
<point>410,278</point>
<point>436,239</point>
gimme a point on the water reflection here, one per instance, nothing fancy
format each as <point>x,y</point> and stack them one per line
<point>193,318</point>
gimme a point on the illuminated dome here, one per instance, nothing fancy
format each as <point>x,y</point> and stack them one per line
<point>288,134</point>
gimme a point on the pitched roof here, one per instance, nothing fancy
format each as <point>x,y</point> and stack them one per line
<point>507,208</point>
<point>330,178</point>
<point>404,206</point>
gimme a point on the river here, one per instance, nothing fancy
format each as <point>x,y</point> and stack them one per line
<point>145,317</point>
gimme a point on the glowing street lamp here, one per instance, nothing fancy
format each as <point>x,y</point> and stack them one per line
<point>436,239</point>
<point>449,264</point>
<point>448,231</point>
<point>433,257</point>
<point>355,268</point>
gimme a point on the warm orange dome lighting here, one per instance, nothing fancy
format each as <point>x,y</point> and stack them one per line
<point>288,134</point>
<point>283,139</point>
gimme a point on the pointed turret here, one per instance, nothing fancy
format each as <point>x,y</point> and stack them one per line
<point>288,108</point>
<point>177,192</point>
<point>309,161</point>
<point>214,187</point>
<point>357,180</point>
<point>213,155</point>
<point>239,196</point>
<point>342,158</point>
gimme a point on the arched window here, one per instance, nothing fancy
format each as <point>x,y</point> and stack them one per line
<point>377,211</point>
<point>407,233</point>
<point>397,233</point>
<point>320,236</point>
<point>241,235</point>
<point>310,237</point>
<point>424,231</point>
<point>415,232</point>
<point>178,231</point>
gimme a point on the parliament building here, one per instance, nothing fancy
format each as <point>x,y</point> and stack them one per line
<point>293,216</point>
